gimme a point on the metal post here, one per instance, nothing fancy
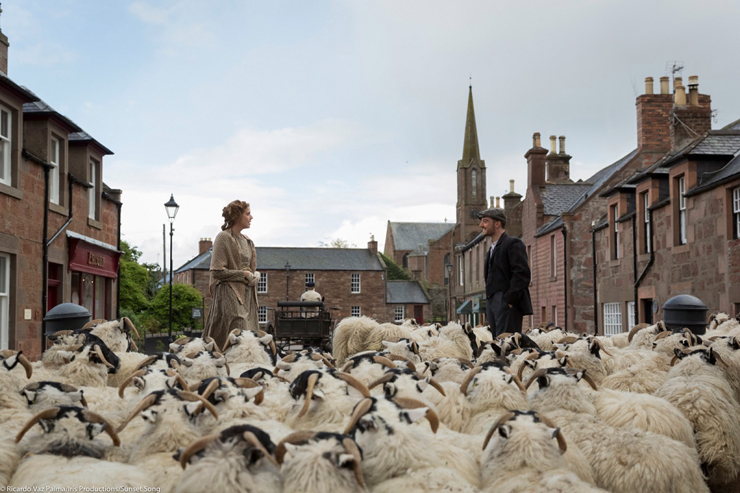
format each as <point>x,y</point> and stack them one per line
<point>287,284</point>
<point>169,332</point>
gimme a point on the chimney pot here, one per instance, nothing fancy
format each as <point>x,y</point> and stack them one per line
<point>498,202</point>
<point>552,144</point>
<point>677,81</point>
<point>694,90</point>
<point>680,97</point>
<point>562,144</point>
<point>648,85</point>
<point>664,85</point>
<point>492,201</point>
<point>511,186</point>
<point>536,140</point>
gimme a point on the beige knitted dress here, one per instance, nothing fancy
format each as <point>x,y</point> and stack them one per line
<point>234,304</point>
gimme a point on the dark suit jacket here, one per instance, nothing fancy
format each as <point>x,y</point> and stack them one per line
<point>508,271</point>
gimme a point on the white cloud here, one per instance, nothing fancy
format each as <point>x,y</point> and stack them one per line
<point>44,55</point>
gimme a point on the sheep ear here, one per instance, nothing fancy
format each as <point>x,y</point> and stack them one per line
<point>504,431</point>
<point>210,346</point>
<point>415,414</point>
<point>422,384</point>
<point>186,361</point>
<point>563,361</point>
<point>508,378</point>
<point>233,339</point>
<point>543,381</point>
<point>579,375</point>
<point>47,425</point>
<point>345,459</point>
<point>190,408</point>
<point>172,382</point>
<point>266,340</point>
<point>386,344</point>
<point>220,395</point>
<point>530,363</point>
<point>555,432</point>
<point>319,394</point>
<point>30,396</point>
<point>139,383</point>
<point>290,448</point>
<point>734,344</point>
<point>150,415</point>
<point>251,392</point>
<point>67,356</point>
<point>679,354</point>
<point>95,429</point>
<point>284,366</point>
<point>367,422</point>
<point>174,347</point>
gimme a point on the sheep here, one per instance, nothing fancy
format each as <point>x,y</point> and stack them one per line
<point>88,366</point>
<point>450,369</point>
<point>699,390</point>
<point>50,473</point>
<point>10,360</point>
<point>520,456</point>
<point>320,462</point>
<point>368,367</point>
<point>251,348</point>
<point>403,382</point>
<point>148,380</point>
<point>643,335</point>
<point>160,360</point>
<point>239,458</point>
<point>187,345</point>
<point>452,342</point>
<point>404,348</point>
<point>392,446</point>
<point>115,333</point>
<point>357,334</point>
<point>204,364</point>
<point>42,395</point>
<point>622,460</point>
<point>296,363</point>
<point>233,398</point>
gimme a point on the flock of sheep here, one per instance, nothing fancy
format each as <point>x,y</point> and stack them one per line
<point>393,408</point>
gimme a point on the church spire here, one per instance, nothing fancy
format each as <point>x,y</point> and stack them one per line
<point>470,146</point>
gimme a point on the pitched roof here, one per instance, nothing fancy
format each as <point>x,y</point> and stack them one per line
<point>470,143</point>
<point>275,258</point>
<point>729,172</point>
<point>408,236</point>
<point>83,136</point>
<point>732,126</point>
<point>724,144</point>
<point>42,107</point>
<point>405,292</point>
<point>558,198</point>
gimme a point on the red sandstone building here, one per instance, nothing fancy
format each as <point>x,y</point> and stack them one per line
<point>59,223</point>
<point>352,280</point>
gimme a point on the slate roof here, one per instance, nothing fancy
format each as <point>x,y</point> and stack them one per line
<point>405,292</point>
<point>731,171</point>
<point>83,136</point>
<point>42,107</point>
<point>718,144</point>
<point>732,126</point>
<point>408,236</point>
<point>275,258</point>
<point>558,198</point>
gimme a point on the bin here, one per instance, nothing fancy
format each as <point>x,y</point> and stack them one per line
<point>685,310</point>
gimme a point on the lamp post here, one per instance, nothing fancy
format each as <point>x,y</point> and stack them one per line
<point>448,268</point>
<point>171,207</point>
<point>287,275</point>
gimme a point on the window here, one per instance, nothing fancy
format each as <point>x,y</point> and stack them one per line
<point>553,257</point>
<point>262,283</point>
<point>630,315</point>
<point>612,319</point>
<point>310,278</point>
<point>4,300</point>
<point>93,212</point>
<point>92,292</point>
<point>615,216</point>
<point>544,314</point>
<point>355,283</point>
<point>405,261</point>
<point>399,314</point>
<point>474,182</point>
<point>460,268</point>
<point>646,221</point>
<point>736,213</point>
<point>681,211</point>
<point>447,272</point>
<point>355,312</point>
<point>54,172</point>
<point>262,314</point>
<point>555,314</point>
<point>6,144</point>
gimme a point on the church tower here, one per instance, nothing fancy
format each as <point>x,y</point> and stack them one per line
<point>471,180</point>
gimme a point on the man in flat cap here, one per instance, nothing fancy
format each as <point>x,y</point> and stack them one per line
<point>507,275</point>
<point>311,295</point>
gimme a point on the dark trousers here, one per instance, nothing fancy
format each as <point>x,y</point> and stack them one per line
<point>501,318</point>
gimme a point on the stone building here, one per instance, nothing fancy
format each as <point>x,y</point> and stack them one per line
<point>60,223</point>
<point>353,282</point>
<point>673,227</point>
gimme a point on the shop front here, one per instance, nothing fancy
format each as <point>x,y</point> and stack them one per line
<point>93,269</point>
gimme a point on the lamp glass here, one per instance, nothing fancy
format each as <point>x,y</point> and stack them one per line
<point>171,207</point>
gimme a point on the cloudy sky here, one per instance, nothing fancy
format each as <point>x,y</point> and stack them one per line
<point>332,117</point>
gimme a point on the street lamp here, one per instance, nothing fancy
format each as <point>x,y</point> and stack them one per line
<point>287,275</point>
<point>448,268</point>
<point>171,207</point>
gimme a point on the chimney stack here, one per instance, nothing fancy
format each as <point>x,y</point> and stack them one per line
<point>665,85</point>
<point>536,140</point>
<point>372,245</point>
<point>204,245</point>
<point>562,144</point>
<point>553,149</point>
<point>536,164</point>
<point>4,45</point>
<point>558,164</point>
<point>648,85</point>
<point>513,213</point>
<point>694,90</point>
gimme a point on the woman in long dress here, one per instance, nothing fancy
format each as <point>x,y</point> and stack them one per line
<point>234,276</point>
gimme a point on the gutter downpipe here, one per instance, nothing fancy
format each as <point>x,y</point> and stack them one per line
<point>634,265</point>
<point>596,303</point>
<point>650,260</point>
<point>565,274</point>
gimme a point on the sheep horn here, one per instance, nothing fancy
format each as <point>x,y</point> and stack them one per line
<point>347,366</point>
<point>504,335</point>
<point>26,364</point>
<point>143,405</point>
<point>519,383</point>
<point>468,379</point>
<point>174,373</point>
<point>227,344</point>
<point>92,417</point>
<point>193,397</point>
<point>360,410</point>
<point>146,362</point>
<point>384,361</point>
<point>637,328</point>
<point>137,373</point>
<point>248,383</point>
<point>93,323</point>
<point>568,340</point>
<point>520,370</point>
<point>196,447</point>
<point>561,439</point>
<point>273,348</point>
<point>534,376</point>
<point>387,377</point>
<point>601,348</point>
<point>133,343</point>
<point>312,379</point>
<point>719,358</point>
<point>212,386</point>
<point>437,386</point>
<point>45,414</point>
<point>503,419</point>
<point>297,438</point>
<point>99,352</point>
<point>252,439</point>
<point>662,335</point>
<point>589,380</point>
<point>130,326</point>
<point>466,362</point>
<point>353,382</point>
<point>351,447</point>
<point>431,416</point>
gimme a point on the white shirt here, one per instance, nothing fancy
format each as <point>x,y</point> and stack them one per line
<point>490,250</point>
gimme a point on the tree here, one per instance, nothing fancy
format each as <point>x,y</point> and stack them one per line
<point>134,280</point>
<point>395,272</point>
<point>337,243</point>
<point>184,299</point>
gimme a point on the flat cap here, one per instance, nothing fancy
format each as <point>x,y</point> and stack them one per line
<point>495,213</point>
<point>310,284</point>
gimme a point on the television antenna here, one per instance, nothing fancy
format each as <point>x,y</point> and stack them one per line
<point>674,67</point>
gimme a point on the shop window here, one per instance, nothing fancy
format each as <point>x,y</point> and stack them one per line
<point>92,292</point>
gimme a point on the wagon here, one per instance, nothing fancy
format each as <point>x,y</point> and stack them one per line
<point>306,323</point>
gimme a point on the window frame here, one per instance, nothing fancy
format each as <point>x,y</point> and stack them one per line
<point>399,309</point>
<point>631,322</point>
<point>355,311</point>
<point>646,222</point>
<point>736,212</point>
<point>310,277</point>
<point>262,314</point>
<point>682,215</point>
<point>56,170</point>
<point>7,158</point>
<point>553,257</point>
<point>612,318</point>
<point>262,282</point>
<point>355,286</point>
<point>93,194</point>
<point>5,302</point>
<point>615,232</point>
